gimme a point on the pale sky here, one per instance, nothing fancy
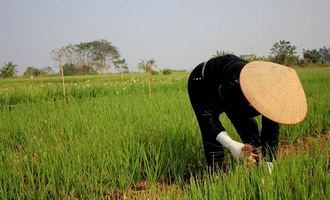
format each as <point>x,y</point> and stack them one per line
<point>176,33</point>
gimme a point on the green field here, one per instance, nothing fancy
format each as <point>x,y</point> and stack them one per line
<point>110,140</point>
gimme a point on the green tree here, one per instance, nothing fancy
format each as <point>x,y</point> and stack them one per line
<point>102,53</point>
<point>147,65</point>
<point>167,71</point>
<point>8,70</point>
<point>311,56</point>
<point>32,71</point>
<point>86,69</point>
<point>283,52</point>
<point>325,54</point>
<point>87,57</point>
<point>120,65</point>
<point>221,53</point>
<point>69,69</point>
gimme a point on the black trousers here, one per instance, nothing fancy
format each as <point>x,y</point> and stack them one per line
<point>207,107</point>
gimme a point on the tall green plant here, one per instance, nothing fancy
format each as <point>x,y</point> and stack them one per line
<point>8,70</point>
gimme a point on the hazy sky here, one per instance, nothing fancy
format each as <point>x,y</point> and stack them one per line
<point>176,33</point>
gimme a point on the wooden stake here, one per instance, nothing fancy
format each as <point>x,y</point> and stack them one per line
<point>62,74</point>
<point>122,73</point>
<point>149,83</point>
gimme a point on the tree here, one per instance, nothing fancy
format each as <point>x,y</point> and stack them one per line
<point>283,52</point>
<point>87,57</point>
<point>120,65</point>
<point>103,52</point>
<point>69,69</point>
<point>147,65</point>
<point>47,70</point>
<point>311,56</point>
<point>59,55</point>
<point>32,71</point>
<point>8,70</point>
<point>221,53</point>
<point>325,54</point>
<point>167,71</point>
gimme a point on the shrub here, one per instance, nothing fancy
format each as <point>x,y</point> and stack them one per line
<point>153,72</point>
<point>167,71</point>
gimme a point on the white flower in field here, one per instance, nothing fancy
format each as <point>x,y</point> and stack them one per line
<point>88,83</point>
<point>133,80</point>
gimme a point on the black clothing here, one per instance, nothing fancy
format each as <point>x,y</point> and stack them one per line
<point>214,89</point>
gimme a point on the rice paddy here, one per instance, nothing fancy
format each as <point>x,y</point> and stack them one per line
<point>107,139</point>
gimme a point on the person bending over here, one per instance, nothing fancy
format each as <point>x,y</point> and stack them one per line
<point>242,90</point>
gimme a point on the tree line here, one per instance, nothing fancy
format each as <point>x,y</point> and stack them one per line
<point>100,55</point>
<point>89,58</point>
<point>285,53</point>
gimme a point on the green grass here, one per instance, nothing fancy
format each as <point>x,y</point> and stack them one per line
<point>110,136</point>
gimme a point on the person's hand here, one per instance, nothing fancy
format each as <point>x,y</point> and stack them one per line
<point>237,149</point>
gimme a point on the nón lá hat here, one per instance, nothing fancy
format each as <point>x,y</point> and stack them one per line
<point>274,91</point>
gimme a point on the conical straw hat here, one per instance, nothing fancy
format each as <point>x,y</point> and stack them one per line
<point>274,91</point>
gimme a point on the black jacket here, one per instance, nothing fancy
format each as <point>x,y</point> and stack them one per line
<point>214,88</point>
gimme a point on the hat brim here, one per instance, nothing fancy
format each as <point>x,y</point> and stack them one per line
<point>274,91</point>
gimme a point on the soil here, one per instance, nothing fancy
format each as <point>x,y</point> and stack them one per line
<point>304,144</point>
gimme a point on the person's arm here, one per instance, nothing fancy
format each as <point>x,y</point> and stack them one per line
<point>211,118</point>
<point>234,147</point>
<point>269,138</point>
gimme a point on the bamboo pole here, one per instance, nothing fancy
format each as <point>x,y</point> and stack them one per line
<point>122,73</point>
<point>62,75</point>
<point>149,78</point>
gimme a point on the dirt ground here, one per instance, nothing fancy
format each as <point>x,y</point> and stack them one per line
<point>304,144</point>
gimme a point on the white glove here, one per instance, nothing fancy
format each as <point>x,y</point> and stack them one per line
<point>234,147</point>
